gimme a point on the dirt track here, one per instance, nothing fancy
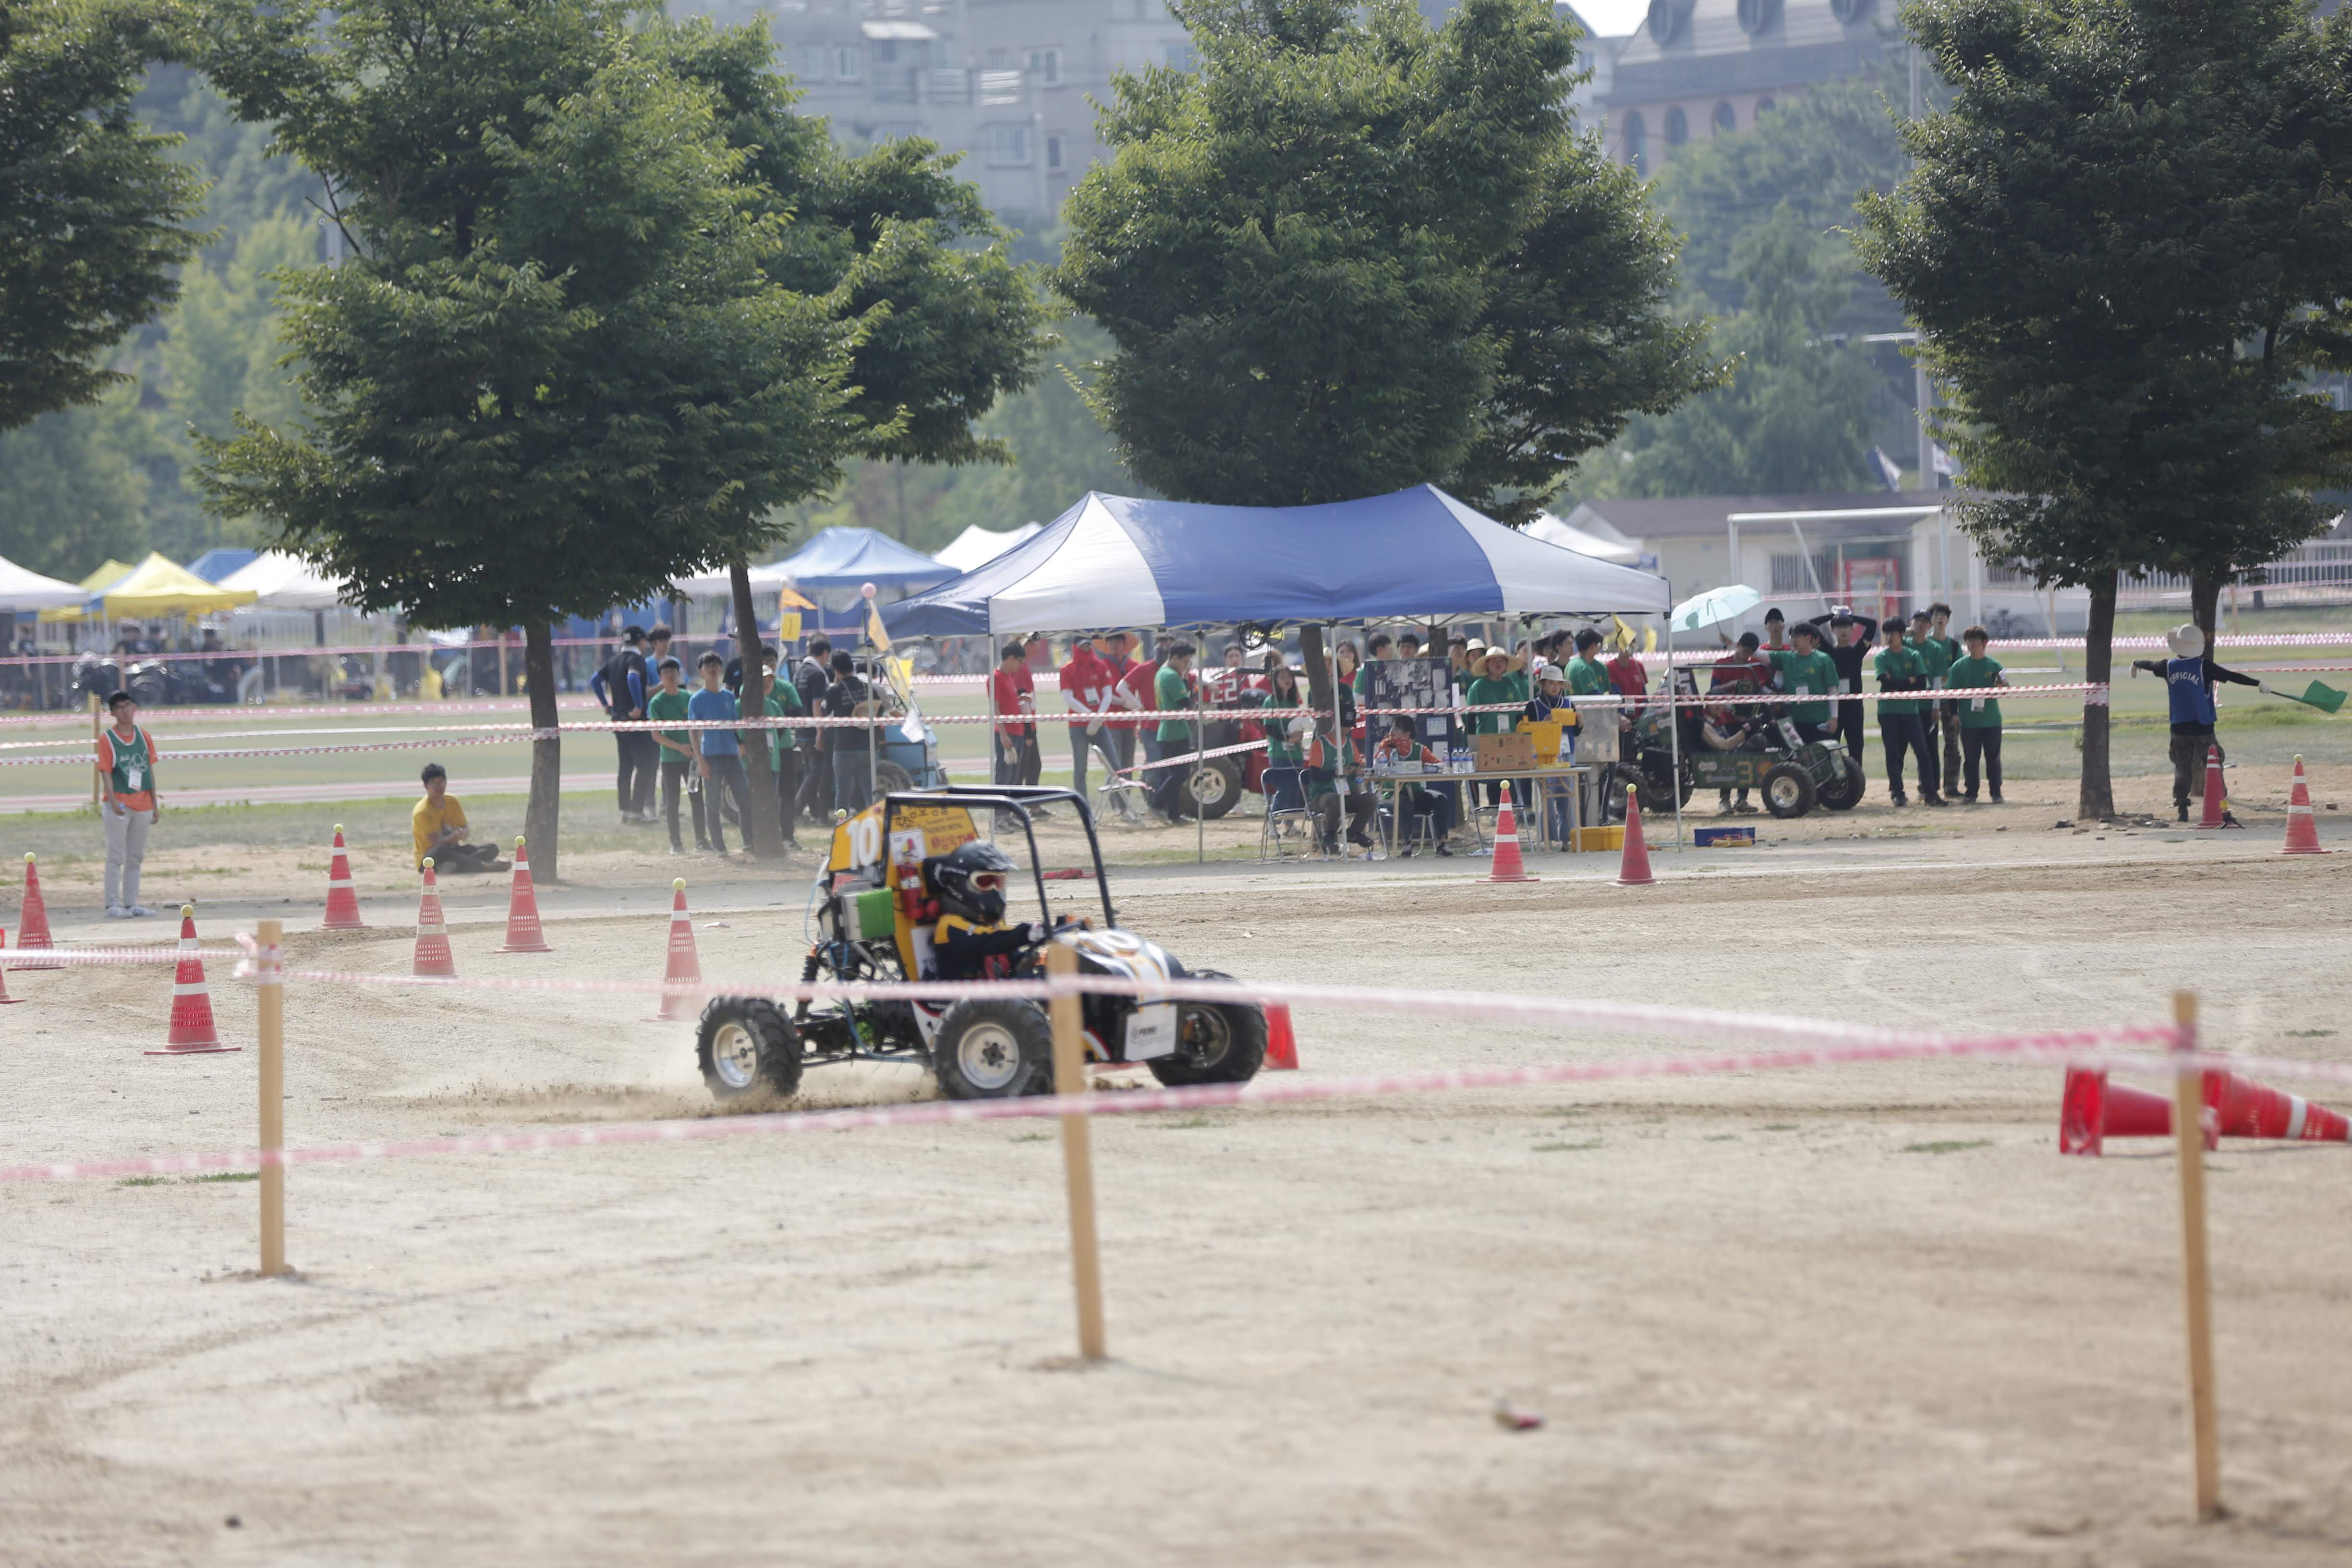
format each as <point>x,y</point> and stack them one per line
<point>1851,1316</point>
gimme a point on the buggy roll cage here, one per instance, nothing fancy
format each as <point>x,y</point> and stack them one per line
<point>1017,799</point>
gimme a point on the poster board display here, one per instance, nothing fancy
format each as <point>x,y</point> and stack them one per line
<point>1415,683</point>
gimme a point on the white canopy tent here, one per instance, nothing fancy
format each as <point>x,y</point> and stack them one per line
<point>976,546</point>
<point>23,591</point>
<point>1613,546</point>
<point>282,582</point>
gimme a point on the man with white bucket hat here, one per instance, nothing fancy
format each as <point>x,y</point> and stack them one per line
<point>2188,677</point>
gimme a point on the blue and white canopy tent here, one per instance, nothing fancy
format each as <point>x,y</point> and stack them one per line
<point>1114,560</point>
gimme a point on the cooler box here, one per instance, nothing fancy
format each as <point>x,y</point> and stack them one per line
<point>1725,837</point>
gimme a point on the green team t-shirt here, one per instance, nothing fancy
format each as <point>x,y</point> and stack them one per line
<point>1899,664</point>
<point>1588,677</point>
<point>1279,751</point>
<point>1803,674</point>
<point>1933,659</point>
<point>671,705</point>
<point>1977,712</point>
<point>1511,687</point>
<point>1169,692</point>
<point>782,703</point>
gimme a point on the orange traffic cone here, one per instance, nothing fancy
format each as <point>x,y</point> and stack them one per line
<point>1633,870</point>
<point>33,924</point>
<point>684,965</point>
<point>343,899</point>
<point>523,933</point>
<point>192,1032</point>
<point>2302,827</point>
<point>2217,792</point>
<point>2093,1110</point>
<point>4,998</point>
<point>1509,866</point>
<point>2245,1109</point>
<point>432,955</point>
<point>1281,1044</point>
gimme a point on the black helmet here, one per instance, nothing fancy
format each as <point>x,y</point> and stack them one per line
<point>970,880</point>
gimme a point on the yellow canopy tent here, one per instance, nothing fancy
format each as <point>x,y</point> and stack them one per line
<point>157,587</point>
<point>111,572</point>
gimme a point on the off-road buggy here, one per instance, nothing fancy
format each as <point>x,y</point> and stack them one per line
<point>1792,774</point>
<point>871,923</point>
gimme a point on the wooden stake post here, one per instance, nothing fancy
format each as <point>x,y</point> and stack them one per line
<point>1078,1156</point>
<point>2188,1129</point>
<point>269,971</point>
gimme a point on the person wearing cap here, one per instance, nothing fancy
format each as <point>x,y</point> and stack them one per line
<point>1980,717</point>
<point>1846,639</point>
<point>1012,695</point>
<point>1900,669</point>
<point>783,758</point>
<point>1804,670</point>
<point>1947,711</point>
<point>1496,683</point>
<point>1086,685</point>
<point>2189,676</point>
<point>619,685</point>
<point>1550,701</point>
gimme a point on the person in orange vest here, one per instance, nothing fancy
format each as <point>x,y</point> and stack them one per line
<point>127,804</point>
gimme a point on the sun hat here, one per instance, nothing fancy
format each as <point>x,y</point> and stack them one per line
<point>1550,672</point>
<point>1476,650</point>
<point>2185,640</point>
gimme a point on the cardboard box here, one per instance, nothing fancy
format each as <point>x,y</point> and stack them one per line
<point>1502,753</point>
<point>1725,837</point>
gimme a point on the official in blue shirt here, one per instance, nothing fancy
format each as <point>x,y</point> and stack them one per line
<point>2188,677</point>
<point>721,759</point>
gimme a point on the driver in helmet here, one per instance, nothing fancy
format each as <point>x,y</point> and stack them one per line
<point>971,940</point>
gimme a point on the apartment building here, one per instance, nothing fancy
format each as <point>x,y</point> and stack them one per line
<point>1700,68</point>
<point>1005,83</point>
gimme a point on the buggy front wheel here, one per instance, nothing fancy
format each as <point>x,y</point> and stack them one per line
<point>1216,1042</point>
<point>744,1044</point>
<point>993,1048</point>
<point>1788,789</point>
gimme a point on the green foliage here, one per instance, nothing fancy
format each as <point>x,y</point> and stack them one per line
<point>221,354</point>
<point>93,208</point>
<point>74,487</point>
<point>1796,415</point>
<point>2127,239</point>
<point>1350,254</point>
<point>613,304</point>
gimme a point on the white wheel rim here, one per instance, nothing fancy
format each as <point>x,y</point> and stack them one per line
<point>735,1055</point>
<point>988,1055</point>
<point>1784,792</point>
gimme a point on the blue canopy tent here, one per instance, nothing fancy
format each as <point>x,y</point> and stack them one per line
<point>1114,560</point>
<point>217,565</point>
<point>834,564</point>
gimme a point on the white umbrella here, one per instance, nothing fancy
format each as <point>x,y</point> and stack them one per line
<point>1716,604</point>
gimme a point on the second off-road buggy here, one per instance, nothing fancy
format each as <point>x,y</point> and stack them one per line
<point>1793,775</point>
<point>872,924</point>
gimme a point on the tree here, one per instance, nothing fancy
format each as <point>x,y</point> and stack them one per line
<point>612,306</point>
<point>1348,255</point>
<point>1798,411</point>
<point>2126,241</point>
<point>93,209</point>
<point>73,487</point>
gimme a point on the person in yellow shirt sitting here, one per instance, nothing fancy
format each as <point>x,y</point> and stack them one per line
<point>440,827</point>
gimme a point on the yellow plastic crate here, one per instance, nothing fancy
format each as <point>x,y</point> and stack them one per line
<point>1600,837</point>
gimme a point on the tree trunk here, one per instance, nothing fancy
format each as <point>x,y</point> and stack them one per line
<point>2205,605</point>
<point>2097,798</point>
<point>761,828</point>
<point>541,816</point>
<point>1318,668</point>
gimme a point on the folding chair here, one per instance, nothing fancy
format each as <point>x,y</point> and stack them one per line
<point>1287,817</point>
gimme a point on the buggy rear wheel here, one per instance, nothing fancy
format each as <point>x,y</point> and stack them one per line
<point>1216,1042</point>
<point>1788,789</point>
<point>1844,792</point>
<point>745,1044</point>
<point>889,778</point>
<point>993,1048</point>
<point>1212,792</point>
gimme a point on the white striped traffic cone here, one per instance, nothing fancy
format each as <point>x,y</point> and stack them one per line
<point>342,898</point>
<point>193,1032</point>
<point>432,955</point>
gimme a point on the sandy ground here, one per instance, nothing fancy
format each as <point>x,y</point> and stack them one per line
<point>1848,1316</point>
